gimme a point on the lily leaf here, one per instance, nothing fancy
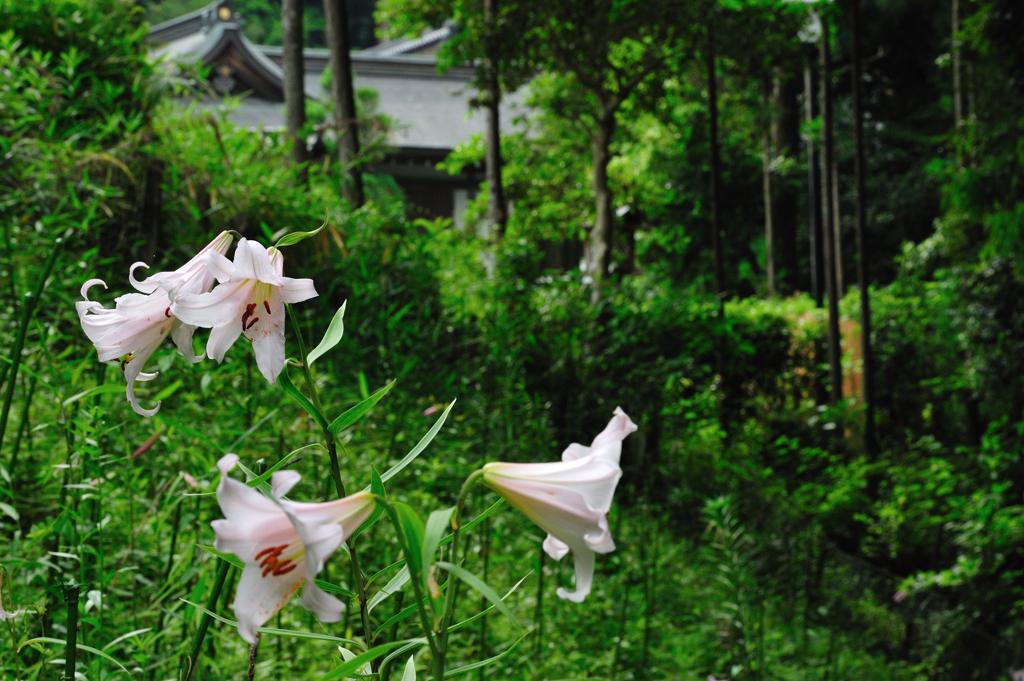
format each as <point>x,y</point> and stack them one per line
<point>418,449</point>
<point>484,663</point>
<point>303,401</point>
<point>412,528</point>
<point>481,588</point>
<point>347,669</point>
<point>357,412</point>
<point>377,488</point>
<point>88,649</point>
<point>335,330</point>
<point>296,237</point>
<point>410,669</point>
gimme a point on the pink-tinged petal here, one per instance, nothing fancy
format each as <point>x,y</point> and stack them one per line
<point>225,302</point>
<point>134,364</point>
<point>242,505</point>
<point>266,331</point>
<point>324,526</point>
<point>297,290</point>
<point>218,265</point>
<point>326,607</point>
<point>182,336</point>
<point>252,261</point>
<point>258,598</point>
<point>575,451</point>
<point>147,286</point>
<point>584,560</point>
<point>230,539</point>
<point>282,482</point>
<point>88,285</point>
<point>555,547</point>
<point>608,443</point>
<point>617,429</point>
<point>588,481</point>
<point>221,339</point>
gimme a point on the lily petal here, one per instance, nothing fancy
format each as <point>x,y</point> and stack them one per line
<point>570,499</point>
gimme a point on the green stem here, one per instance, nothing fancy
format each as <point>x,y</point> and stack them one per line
<point>421,602</point>
<point>204,621</point>
<point>332,448</point>
<point>360,580</point>
<point>71,598</point>
<point>449,601</point>
<point>28,309</point>
<point>22,428</point>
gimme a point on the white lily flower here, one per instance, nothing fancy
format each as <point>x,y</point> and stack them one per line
<point>250,300</point>
<point>283,544</point>
<point>139,322</point>
<point>570,500</point>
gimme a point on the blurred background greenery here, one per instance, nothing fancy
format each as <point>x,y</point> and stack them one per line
<point>755,539</point>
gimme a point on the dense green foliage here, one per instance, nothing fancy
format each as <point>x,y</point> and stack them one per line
<point>755,540</point>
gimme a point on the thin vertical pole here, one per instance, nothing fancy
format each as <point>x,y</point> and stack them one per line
<point>834,354</point>
<point>862,262</point>
<point>716,219</point>
<point>813,198</point>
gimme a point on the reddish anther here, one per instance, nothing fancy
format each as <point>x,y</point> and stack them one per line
<point>284,568</point>
<point>251,322</point>
<point>267,306</point>
<point>167,312</point>
<point>270,549</point>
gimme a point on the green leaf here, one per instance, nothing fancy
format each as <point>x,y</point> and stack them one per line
<point>418,449</point>
<point>229,557</point>
<point>335,330</point>
<point>334,589</point>
<point>357,412</point>
<point>437,523</point>
<point>88,649</point>
<point>484,663</point>
<point>413,644</point>
<point>483,613</point>
<point>412,529</point>
<point>97,390</point>
<point>168,391</point>
<point>448,538</point>
<point>251,475</point>
<point>9,511</point>
<point>281,464</point>
<point>347,669</point>
<point>481,588</point>
<point>276,632</point>
<point>474,522</point>
<point>289,387</point>
<point>296,237</point>
<point>376,488</point>
<point>410,669</point>
<point>241,438</point>
<point>396,583</point>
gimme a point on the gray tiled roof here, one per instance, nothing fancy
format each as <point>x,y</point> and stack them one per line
<point>430,110</point>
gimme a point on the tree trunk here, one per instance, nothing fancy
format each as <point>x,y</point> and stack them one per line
<point>601,233</point>
<point>786,142</point>
<point>834,354</point>
<point>716,218</point>
<point>813,195</point>
<point>958,93</point>
<point>496,206</point>
<point>862,263</point>
<point>294,85</point>
<point>837,218</point>
<point>766,182</point>
<point>346,123</point>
